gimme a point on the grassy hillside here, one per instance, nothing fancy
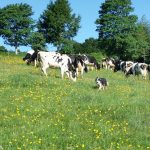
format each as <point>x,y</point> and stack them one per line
<point>49,113</point>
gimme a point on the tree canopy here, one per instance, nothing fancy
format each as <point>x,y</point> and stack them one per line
<point>58,24</point>
<point>16,24</point>
<point>116,26</point>
<point>37,41</point>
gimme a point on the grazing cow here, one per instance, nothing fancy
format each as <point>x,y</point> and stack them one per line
<point>101,83</point>
<point>54,59</point>
<point>108,63</point>
<point>122,65</point>
<point>78,64</point>
<point>30,57</point>
<point>148,68</point>
<point>137,69</point>
<point>90,61</point>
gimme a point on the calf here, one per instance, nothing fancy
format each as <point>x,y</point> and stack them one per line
<point>54,59</point>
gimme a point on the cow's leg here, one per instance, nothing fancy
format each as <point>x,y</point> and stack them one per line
<point>35,63</point>
<point>68,73</point>
<point>145,74</point>
<point>62,73</point>
<point>82,70</point>
<point>44,68</point>
<point>77,71</point>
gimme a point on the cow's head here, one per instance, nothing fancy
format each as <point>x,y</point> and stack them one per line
<point>143,66</point>
<point>28,56</point>
<point>72,70</point>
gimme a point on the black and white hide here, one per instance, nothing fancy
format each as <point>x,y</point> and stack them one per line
<point>137,69</point>
<point>78,64</point>
<point>108,63</point>
<point>91,62</point>
<point>31,57</point>
<point>122,65</point>
<point>54,59</point>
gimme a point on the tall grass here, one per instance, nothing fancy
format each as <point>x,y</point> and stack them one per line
<point>39,112</point>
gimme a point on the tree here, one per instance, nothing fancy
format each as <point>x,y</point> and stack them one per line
<point>90,45</point>
<point>142,36</point>
<point>67,46</point>
<point>58,24</point>
<point>37,41</point>
<point>3,49</point>
<point>16,24</point>
<point>116,26</point>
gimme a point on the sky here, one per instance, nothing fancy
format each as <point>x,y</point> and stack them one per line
<point>87,9</point>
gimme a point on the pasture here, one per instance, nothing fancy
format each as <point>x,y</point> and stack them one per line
<point>49,113</point>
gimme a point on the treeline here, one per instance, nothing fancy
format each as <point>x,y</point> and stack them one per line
<point>120,34</point>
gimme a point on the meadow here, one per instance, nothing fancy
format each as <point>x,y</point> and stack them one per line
<point>48,113</point>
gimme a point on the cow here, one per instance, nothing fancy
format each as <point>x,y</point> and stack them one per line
<point>90,61</point>
<point>78,63</point>
<point>55,59</point>
<point>136,69</point>
<point>30,57</point>
<point>122,65</point>
<point>108,63</point>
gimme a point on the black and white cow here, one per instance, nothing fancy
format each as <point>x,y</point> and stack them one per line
<point>136,69</point>
<point>108,63</point>
<point>78,63</point>
<point>30,57</point>
<point>122,65</point>
<point>54,59</point>
<point>90,61</point>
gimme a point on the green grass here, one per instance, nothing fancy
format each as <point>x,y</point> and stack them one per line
<point>49,113</point>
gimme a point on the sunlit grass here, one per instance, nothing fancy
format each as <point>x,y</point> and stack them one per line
<point>39,112</point>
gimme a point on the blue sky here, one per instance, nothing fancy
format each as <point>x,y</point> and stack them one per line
<point>87,9</point>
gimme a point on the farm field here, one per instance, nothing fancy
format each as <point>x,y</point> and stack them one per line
<point>49,113</point>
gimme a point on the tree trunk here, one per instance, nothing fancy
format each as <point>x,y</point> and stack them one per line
<point>16,50</point>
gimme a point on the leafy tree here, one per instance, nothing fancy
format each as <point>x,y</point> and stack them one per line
<point>78,48</point>
<point>116,26</point>
<point>58,24</point>
<point>142,36</point>
<point>3,49</point>
<point>90,45</point>
<point>16,24</point>
<point>37,41</point>
<point>67,46</point>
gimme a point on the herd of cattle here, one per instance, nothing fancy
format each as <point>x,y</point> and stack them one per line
<point>72,64</point>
